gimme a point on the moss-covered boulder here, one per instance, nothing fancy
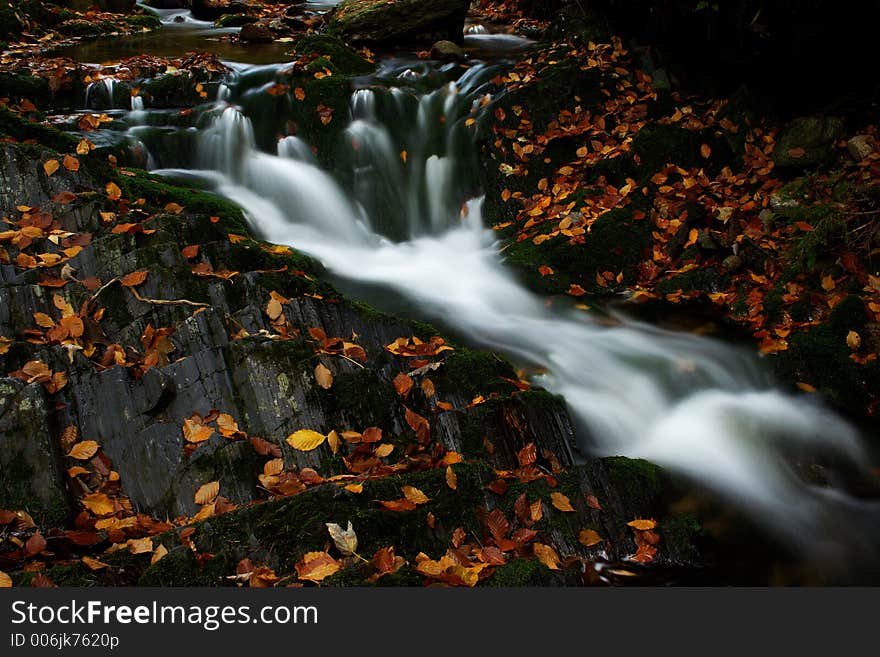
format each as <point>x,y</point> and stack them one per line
<point>400,22</point>
<point>808,142</point>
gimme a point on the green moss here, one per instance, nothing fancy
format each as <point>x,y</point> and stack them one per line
<point>468,373</point>
<point>339,57</point>
<point>638,482</point>
<point>703,279</point>
<point>531,572</point>
<point>360,397</point>
<point>656,145</point>
<point>21,129</point>
<point>278,533</point>
<point>159,193</point>
<point>148,21</point>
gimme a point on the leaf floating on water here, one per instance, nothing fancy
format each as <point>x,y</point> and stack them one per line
<point>305,440</point>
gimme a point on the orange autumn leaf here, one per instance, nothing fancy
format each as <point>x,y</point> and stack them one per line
<point>402,384</point>
<point>561,502</point>
<point>207,492</point>
<point>316,566</point>
<point>97,503</point>
<point>451,478</point>
<point>133,279</point>
<point>323,376</point>
<point>50,166</point>
<point>589,538</point>
<point>642,524</point>
<point>415,495</point>
<point>71,163</point>
<point>547,555</point>
<point>83,450</point>
<point>113,191</point>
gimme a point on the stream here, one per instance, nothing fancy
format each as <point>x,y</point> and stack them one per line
<point>413,230</point>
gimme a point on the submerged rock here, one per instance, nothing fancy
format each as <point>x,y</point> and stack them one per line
<point>256,33</point>
<point>447,51</point>
<point>401,22</point>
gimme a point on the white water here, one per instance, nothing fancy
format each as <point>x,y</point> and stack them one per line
<point>698,407</point>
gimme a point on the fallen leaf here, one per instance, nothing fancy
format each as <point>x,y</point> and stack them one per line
<point>561,502</point>
<point>642,524</point>
<point>853,340</point>
<point>140,545</point>
<point>546,555</point>
<point>402,384</point>
<point>207,492</point>
<point>305,440</point>
<point>589,538</point>
<point>316,566</point>
<point>97,503</point>
<point>113,191</point>
<point>83,450</point>
<point>133,279</point>
<point>414,495</point>
<point>93,564</point>
<point>50,166</point>
<point>346,540</point>
<point>5,581</point>
<point>71,163</point>
<point>323,376</point>
<point>451,478</point>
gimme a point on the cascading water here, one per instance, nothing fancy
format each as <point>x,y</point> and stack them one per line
<point>696,406</point>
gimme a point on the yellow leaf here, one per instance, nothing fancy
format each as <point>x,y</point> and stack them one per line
<point>451,478</point>
<point>333,441</point>
<point>561,502</point>
<point>227,424</point>
<point>50,166</point>
<point>158,553</point>
<point>196,432</point>
<point>173,208</point>
<point>414,495</point>
<point>323,376</point>
<point>97,503</point>
<point>140,545</point>
<point>384,450</point>
<point>83,147</point>
<point>305,440</point>
<point>113,191</point>
<point>207,492</point>
<point>273,468</point>
<point>642,524</point>
<point>315,566</point>
<point>5,581</point>
<point>83,450</point>
<point>853,340</point>
<point>547,556</point>
<point>355,488</point>
<point>76,471</point>
<point>42,319</point>
<point>589,538</point>
<point>93,564</point>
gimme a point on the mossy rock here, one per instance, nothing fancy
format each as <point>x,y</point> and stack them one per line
<point>400,22</point>
<point>21,129</point>
<point>342,59</point>
<point>808,142</point>
<point>235,20</point>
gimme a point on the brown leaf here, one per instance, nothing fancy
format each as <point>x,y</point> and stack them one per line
<point>414,495</point>
<point>207,492</point>
<point>589,538</point>
<point>853,340</point>
<point>140,545</point>
<point>113,191</point>
<point>561,502</point>
<point>527,455</point>
<point>593,502</point>
<point>315,566</point>
<point>451,478</point>
<point>134,279</point>
<point>83,450</point>
<point>190,251</point>
<point>93,564</point>
<point>397,505</point>
<point>498,524</point>
<point>323,376</point>
<point>402,384</point>
<point>35,544</point>
<point>71,163</point>
<point>546,555</point>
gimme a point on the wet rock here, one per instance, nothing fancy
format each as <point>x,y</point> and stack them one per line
<point>211,10</point>
<point>401,22</point>
<point>256,33</point>
<point>447,51</point>
<point>860,147</point>
<point>235,20</point>
<point>30,478</point>
<point>732,263</point>
<point>807,142</point>
<point>168,4</point>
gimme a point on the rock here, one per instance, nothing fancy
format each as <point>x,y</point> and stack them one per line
<point>211,10</point>
<point>114,6</point>
<point>732,263</point>
<point>860,147</point>
<point>447,51</point>
<point>30,478</point>
<point>256,33</point>
<point>235,20</point>
<point>807,142</point>
<point>401,22</point>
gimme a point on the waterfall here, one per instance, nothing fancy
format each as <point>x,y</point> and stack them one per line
<point>101,92</point>
<point>696,406</point>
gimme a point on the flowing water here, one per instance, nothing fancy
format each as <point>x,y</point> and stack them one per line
<point>413,226</point>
